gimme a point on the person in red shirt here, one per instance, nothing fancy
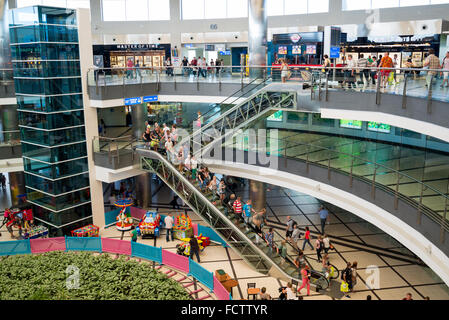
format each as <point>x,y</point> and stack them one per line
<point>307,239</point>
<point>305,279</point>
<point>237,206</point>
<point>129,72</point>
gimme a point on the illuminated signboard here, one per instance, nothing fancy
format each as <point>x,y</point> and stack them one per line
<point>311,49</point>
<point>296,49</point>
<point>351,124</point>
<point>282,50</point>
<point>379,127</point>
<point>277,116</point>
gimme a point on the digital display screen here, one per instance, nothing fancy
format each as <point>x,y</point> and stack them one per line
<point>311,49</point>
<point>296,50</point>
<point>351,124</point>
<point>277,116</point>
<point>379,127</point>
<point>282,50</point>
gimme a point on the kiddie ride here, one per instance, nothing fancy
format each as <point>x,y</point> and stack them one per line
<point>24,221</point>
<point>184,248</point>
<point>149,225</point>
<point>124,219</point>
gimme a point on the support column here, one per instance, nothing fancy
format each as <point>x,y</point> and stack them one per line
<point>143,190</point>
<point>139,114</point>
<point>257,35</point>
<point>258,190</point>
<point>17,186</point>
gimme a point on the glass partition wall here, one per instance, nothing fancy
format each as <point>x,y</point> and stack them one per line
<point>46,67</point>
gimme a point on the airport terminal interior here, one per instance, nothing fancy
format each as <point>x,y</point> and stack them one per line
<point>224,149</point>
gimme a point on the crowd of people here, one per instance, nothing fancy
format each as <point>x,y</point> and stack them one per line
<point>200,67</point>
<point>363,72</point>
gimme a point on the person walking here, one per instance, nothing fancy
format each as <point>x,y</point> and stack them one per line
<point>307,239</point>
<point>373,72</point>
<point>362,64</point>
<point>185,66</point>
<point>432,62</point>
<point>386,62</point>
<point>284,70</point>
<point>395,65</point>
<point>168,221</point>
<point>324,214</point>
<point>305,275</point>
<point>194,248</point>
<point>129,71</point>
<point>445,73</point>
<point>296,234</point>
<point>3,181</point>
<point>134,235</point>
<point>137,66</point>
<point>282,251</point>
<point>289,228</point>
<point>169,67</point>
<point>353,276</point>
<point>326,243</point>
<point>349,72</point>
<point>346,276</point>
<point>319,247</point>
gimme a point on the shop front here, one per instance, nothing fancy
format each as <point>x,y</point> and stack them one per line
<point>118,55</point>
<point>411,47</point>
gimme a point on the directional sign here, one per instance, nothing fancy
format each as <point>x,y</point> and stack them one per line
<point>149,98</point>
<point>131,101</point>
<point>335,52</point>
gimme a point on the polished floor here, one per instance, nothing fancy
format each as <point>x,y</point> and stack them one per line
<point>417,173</point>
<point>396,276</point>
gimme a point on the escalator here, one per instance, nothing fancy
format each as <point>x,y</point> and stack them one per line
<point>230,228</point>
<point>217,126</point>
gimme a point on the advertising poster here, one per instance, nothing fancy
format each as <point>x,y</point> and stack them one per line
<point>296,50</point>
<point>378,127</point>
<point>311,49</point>
<point>351,124</point>
<point>282,50</point>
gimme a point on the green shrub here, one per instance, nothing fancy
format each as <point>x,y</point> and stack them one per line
<point>43,277</point>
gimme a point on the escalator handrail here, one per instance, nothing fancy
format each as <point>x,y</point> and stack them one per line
<point>232,95</point>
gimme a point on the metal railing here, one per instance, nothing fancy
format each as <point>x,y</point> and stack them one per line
<point>368,171</point>
<point>115,148</point>
<point>10,138</point>
<point>412,82</point>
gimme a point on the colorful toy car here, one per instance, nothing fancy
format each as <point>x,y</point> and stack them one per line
<point>149,225</point>
<point>184,248</point>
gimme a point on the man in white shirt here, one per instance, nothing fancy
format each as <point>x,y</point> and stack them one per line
<point>362,64</point>
<point>395,65</point>
<point>349,72</point>
<point>194,166</point>
<point>169,226</point>
<point>170,149</point>
<point>202,67</point>
<point>290,294</point>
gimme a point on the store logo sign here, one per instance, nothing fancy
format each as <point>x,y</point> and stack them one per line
<point>149,98</point>
<point>295,37</point>
<point>131,101</point>
<point>136,46</point>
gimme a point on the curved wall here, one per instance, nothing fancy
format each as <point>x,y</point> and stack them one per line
<point>423,239</point>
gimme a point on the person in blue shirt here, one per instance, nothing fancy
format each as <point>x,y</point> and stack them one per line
<point>324,214</point>
<point>247,209</point>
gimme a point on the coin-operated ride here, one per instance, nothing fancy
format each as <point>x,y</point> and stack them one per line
<point>124,219</point>
<point>149,225</point>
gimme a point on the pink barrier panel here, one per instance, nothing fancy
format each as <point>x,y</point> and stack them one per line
<point>47,244</point>
<point>195,229</point>
<point>137,213</point>
<point>175,260</point>
<point>116,246</point>
<point>220,291</point>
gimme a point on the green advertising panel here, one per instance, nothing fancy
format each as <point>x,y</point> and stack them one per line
<point>379,127</point>
<point>352,124</point>
<point>277,116</point>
